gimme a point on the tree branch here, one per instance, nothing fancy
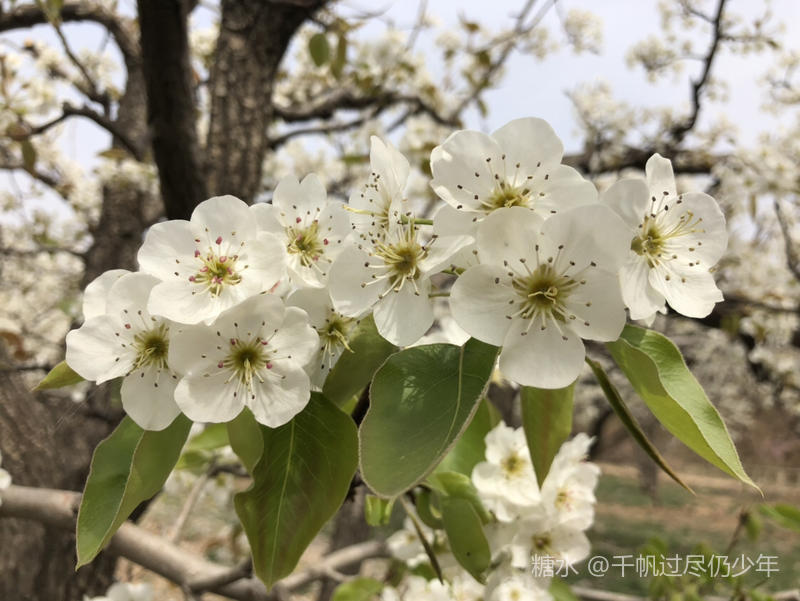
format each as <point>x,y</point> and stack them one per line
<point>58,508</point>
<point>792,257</point>
<point>28,15</point>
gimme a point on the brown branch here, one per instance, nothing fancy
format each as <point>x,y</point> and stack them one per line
<point>28,15</point>
<point>58,508</point>
<point>792,256</point>
<point>679,131</point>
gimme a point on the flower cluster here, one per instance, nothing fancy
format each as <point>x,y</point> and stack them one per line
<point>530,524</point>
<point>251,306</point>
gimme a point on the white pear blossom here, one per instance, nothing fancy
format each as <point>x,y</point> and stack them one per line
<point>126,591</point>
<point>254,355</point>
<point>96,292</point>
<point>210,263</point>
<point>506,481</point>
<point>538,536</point>
<point>675,239</point>
<point>508,584</point>
<point>313,229</point>
<point>381,198</point>
<point>333,328</point>
<point>127,341</point>
<point>541,287</point>
<point>568,490</point>
<point>519,165</point>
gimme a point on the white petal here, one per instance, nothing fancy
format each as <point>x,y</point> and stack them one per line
<point>188,344</point>
<point>480,305</point>
<point>296,337</point>
<point>593,233</point>
<point>563,190</point>
<point>281,397</point>
<point>265,313</point>
<point>96,353</point>
<point>640,297</point>
<point>164,243</point>
<point>94,297</point>
<point>346,277</point>
<point>660,177</point>
<point>460,171</point>
<point>598,307</point>
<point>449,221</point>
<point>541,358</point>
<point>690,292</point>
<point>223,216</point>
<point>441,252</point>
<point>262,264</point>
<point>130,293</point>
<point>184,303</point>
<point>707,243</point>
<point>529,142</point>
<point>392,167</point>
<point>148,398</point>
<point>509,235</point>
<point>268,218</point>
<point>403,317</point>
<point>316,302</point>
<point>630,199</point>
<point>209,399</point>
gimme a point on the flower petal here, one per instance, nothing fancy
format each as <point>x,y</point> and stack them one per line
<point>281,397</point>
<point>94,297</point>
<point>691,292</point>
<point>352,288</point>
<point>544,358</point>
<point>630,199</point>
<point>96,353</point>
<point>531,142</point>
<point>508,235</point>
<point>148,398</point>
<point>403,317</point>
<point>223,216</point>
<point>660,177</point>
<point>213,398</point>
<point>598,307</point>
<point>164,244</point>
<point>640,297</point>
<point>480,304</point>
<point>295,337</point>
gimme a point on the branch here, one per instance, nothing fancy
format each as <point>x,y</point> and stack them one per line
<point>110,126</point>
<point>28,15</point>
<point>678,133</point>
<point>683,162</point>
<point>346,100</point>
<point>58,508</point>
<point>792,258</point>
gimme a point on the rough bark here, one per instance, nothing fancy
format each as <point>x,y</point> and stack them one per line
<point>253,38</point>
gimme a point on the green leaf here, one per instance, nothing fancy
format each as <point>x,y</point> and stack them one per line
<point>61,375</point>
<point>465,533</point>
<point>377,511</point>
<point>752,525</point>
<point>422,399</point>
<point>658,373</point>
<point>355,369</point>
<point>561,591</point>
<point>213,436</point>
<point>547,420</point>
<point>340,58</point>
<point>784,515</point>
<point>28,154</point>
<point>629,421</point>
<point>430,514</point>
<point>298,484</point>
<point>128,467</point>
<point>470,449</point>
<point>455,485</point>
<point>360,589</point>
<point>245,437</point>
<point>319,48</point>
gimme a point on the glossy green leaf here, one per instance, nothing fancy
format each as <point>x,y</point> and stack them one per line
<point>319,48</point>
<point>560,591</point>
<point>354,370</point>
<point>58,377</point>
<point>547,421</point>
<point>630,423</point>
<point>466,537</point>
<point>428,512</point>
<point>658,373</point>
<point>455,485</point>
<point>360,589</point>
<point>245,437</point>
<point>128,467</point>
<point>470,449</point>
<point>377,511</point>
<point>784,515</point>
<point>300,481</point>
<point>421,400</point>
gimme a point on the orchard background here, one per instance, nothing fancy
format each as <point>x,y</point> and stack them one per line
<point>116,115</point>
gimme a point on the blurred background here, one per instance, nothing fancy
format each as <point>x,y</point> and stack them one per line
<point>240,93</point>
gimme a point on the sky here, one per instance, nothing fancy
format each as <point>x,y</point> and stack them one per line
<point>530,87</point>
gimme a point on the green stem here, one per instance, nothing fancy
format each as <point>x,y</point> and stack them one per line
<point>438,294</point>
<point>416,220</point>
